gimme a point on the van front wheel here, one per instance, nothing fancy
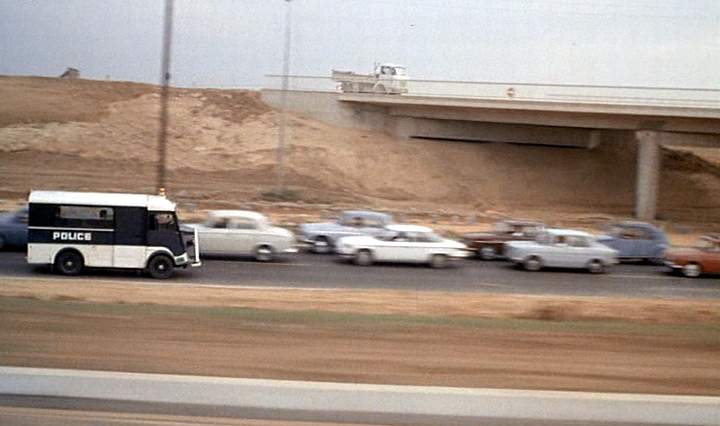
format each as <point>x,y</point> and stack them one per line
<point>69,263</point>
<point>160,267</point>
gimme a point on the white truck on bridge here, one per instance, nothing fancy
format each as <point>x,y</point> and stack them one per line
<point>389,79</point>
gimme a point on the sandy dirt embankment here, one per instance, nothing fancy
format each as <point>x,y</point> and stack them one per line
<point>95,135</point>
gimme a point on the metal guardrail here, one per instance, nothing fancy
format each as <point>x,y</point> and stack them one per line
<point>568,93</point>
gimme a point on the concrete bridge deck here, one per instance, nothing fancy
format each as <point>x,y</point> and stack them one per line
<point>557,115</point>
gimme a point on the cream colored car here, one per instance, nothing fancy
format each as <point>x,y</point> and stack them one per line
<point>402,244</point>
<point>243,233</point>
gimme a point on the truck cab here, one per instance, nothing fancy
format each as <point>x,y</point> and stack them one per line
<point>386,79</point>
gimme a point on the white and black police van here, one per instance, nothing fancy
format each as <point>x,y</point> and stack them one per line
<point>74,230</point>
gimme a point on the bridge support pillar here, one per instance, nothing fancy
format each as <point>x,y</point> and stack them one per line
<point>648,174</point>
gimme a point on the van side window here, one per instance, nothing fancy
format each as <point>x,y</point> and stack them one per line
<point>84,217</point>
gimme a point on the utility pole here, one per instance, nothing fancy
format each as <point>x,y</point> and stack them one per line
<point>283,100</point>
<point>164,94</point>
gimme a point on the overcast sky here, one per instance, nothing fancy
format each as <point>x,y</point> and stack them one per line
<point>236,42</point>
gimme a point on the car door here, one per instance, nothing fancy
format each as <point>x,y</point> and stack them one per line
<point>624,242</point>
<point>558,253</point>
<point>711,259</point>
<point>242,236</point>
<point>645,243</point>
<point>213,236</point>
<point>17,230</point>
<point>394,249</point>
<point>579,250</point>
<point>419,248</point>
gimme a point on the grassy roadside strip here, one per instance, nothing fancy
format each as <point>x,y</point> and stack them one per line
<point>360,347</point>
<point>455,305</point>
<point>707,333</point>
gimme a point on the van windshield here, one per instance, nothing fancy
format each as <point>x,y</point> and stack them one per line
<point>163,220</point>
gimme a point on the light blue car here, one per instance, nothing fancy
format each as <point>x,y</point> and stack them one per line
<point>323,237</point>
<point>13,229</point>
<point>636,241</point>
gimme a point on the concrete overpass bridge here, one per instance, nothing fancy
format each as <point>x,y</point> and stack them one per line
<point>552,114</point>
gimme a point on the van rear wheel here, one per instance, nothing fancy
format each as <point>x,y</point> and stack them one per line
<point>69,263</point>
<point>160,267</point>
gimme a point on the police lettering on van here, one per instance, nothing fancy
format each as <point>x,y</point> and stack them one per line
<point>73,230</point>
<point>71,236</point>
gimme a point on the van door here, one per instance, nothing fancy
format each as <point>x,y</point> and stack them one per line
<point>163,231</point>
<point>130,237</point>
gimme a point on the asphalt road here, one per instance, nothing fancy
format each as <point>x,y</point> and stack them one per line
<point>326,271</point>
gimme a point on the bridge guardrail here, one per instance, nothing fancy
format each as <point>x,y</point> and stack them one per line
<point>569,93</point>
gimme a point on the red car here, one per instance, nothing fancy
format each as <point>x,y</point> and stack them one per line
<point>692,262</point>
<point>491,245</point>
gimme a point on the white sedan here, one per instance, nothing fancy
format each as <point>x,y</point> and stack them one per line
<point>402,243</point>
<point>242,233</point>
<point>562,248</point>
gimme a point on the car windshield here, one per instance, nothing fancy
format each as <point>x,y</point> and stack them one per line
<point>419,237</point>
<point>543,238</point>
<point>427,237</point>
<point>363,220</point>
<point>516,228</point>
<point>616,231</point>
<point>708,244</point>
<point>501,228</point>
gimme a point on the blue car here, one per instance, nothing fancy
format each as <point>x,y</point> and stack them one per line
<point>13,229</point>
<point>323,237</point>
<point>636,241</point>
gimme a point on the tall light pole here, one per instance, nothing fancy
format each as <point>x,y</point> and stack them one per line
<point>283,100</point>
<point>164,94</point>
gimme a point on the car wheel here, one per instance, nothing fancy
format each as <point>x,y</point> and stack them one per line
<point>160,267</point>
<point>487,253</point>
<point>363,258</point>
<point>321,245</point>
<point>692,270</point>
<point>264,253</point>
<point>438,261</point>
<point>532,263</point>
<point>69,263</point>
<point>595,267</point>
